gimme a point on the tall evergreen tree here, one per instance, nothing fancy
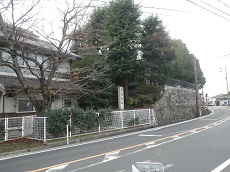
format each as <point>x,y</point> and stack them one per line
<point>183,66</point>
<point>90,43</point>
<point>156,49</point>
<point>122,26</point>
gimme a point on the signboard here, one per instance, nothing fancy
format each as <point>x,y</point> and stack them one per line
<point>121,100</point>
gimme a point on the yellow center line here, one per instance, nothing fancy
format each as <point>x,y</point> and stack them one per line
<point>129,147</point>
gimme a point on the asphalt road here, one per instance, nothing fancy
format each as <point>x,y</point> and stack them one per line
<point>199,145</point>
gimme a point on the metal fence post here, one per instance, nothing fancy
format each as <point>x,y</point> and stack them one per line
<point>99,124</point>
<point>70,122</point>
<point>134,118</point>
<point>150,121</point>
<point>67,134</point>
<point>6,129</point>
<point>44,139</point>
<point>23,126</point>
<point>122,121</point>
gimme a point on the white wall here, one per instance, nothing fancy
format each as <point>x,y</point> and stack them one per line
<point>59,103</point>
<point>64,67</point>
<point>10,104</point>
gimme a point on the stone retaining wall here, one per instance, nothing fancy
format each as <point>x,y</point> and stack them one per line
<point>177,104</point>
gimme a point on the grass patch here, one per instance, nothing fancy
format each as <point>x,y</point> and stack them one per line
<point>19,144</point>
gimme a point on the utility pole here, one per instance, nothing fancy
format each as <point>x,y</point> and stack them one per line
<point>197,102</point>
<point>226,77</point>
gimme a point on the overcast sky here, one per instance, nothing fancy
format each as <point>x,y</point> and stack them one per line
<point>206,35</point>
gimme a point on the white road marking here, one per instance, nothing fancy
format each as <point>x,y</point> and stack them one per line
<point>56,169</point>
<point>111,156</point>
<point>203,119</point>
<point>150,145</point>
<point>149,135</point>
<point>177,138</point>
<point>222,166</point>
<point>168,166</point>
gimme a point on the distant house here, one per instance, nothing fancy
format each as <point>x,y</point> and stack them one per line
<point>221,99</point>
<point>14,102</point>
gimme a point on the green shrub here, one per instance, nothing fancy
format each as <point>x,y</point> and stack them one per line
<point>105,118</point>
<point>57,121</point>
<point>83,119</point>
<point>134,121</point>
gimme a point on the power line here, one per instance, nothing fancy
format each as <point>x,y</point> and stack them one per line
<point>208,10</point>
<point>167,9</point>
<point>225,4</point>
<point>160,14</point>
<point>214,7</point>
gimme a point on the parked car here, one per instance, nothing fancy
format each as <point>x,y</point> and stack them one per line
<point>211,103</point>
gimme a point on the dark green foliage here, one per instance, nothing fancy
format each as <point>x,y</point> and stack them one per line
<point>183,66</point>
<point>57,121</point>
<point>112,30</point>
<point>91,37</point>
<point>93,67</point>
<point>85,120</point>
<point>89,119</point>
<point>99,95</point>
<point>157,50</point>
<point>122,26</point>
<point>95,101</point>
<point>201,80</point>
<point>133,122</point>
<point>115,29</point>
<point>145,98</point>
<point>96,24</point>
<point>105,118</point>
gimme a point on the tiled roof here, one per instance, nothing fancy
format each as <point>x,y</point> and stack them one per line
<point>12,83</point>
<point>9,82</point>
<point>32,41</point>
<point>221,96</point>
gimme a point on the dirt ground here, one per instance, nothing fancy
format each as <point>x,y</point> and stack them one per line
<point>19,144</point>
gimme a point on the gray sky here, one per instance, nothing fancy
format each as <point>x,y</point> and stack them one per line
<point>206,35</point>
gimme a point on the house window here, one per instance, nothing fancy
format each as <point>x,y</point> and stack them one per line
<point>40,59</point>
<point>20,59</point>
<point>25,105</point>
<point>67,103</point>
<point>6,57</point>
<point>33,56</point>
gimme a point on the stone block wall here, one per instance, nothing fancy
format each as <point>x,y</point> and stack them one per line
<point>177,104</point>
